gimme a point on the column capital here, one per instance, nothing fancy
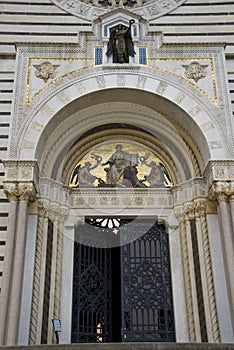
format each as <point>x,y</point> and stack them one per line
<point>221,191</point>
<point>27,192</point>
<point>42,208</point>
<point>11,191</point>
<point>19,191</point>
<point>191,210</point>
<point>200,209</point>
<point>57,213</point>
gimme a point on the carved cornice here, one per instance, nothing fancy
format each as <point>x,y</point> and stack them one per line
<point>219,170</point>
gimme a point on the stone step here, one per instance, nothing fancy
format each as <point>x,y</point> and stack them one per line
<point>126,346</point>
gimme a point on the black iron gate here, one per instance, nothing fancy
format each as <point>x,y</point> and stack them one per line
<point>91,312</point>
<point>145,307</point>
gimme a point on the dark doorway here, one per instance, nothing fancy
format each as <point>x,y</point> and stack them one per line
<point>122,292</point>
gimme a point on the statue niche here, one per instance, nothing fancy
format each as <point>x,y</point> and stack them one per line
<point>120,45</point>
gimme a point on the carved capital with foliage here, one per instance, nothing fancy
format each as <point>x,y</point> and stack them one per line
<point>11,191</point>
<point>27,192</point>
<point>20,191</point>
<point>200,209</point>
<point>221,191</point>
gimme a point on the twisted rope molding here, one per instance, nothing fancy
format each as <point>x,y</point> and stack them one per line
<point>209,280</point>
<point>187,283</point>
<point>58,275</point>
<point>36,282</point>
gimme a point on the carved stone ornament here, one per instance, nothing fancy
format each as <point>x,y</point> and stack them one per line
<point>221,191</point>
<point>16,191</point>
<point>92,9</point>
<point>27,192</point>
<point>11,191</point>
<point>46,71</point>
<point>195,71</point>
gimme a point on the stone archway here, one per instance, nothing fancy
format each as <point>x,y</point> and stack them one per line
<point>67,111</point>
<point>162,86</point>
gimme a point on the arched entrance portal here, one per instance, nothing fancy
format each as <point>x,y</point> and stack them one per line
<point>123,292</point>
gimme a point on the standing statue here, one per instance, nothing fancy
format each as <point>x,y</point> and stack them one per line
<point>120,44</point>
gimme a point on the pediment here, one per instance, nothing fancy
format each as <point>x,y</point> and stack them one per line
<point>115,18</point>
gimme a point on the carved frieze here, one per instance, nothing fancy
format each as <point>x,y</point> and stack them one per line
<point>122,199</point>
<point>220,171</point>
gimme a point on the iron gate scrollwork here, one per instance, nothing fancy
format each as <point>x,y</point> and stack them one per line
<point>91,312</point>
<point>147,307</point>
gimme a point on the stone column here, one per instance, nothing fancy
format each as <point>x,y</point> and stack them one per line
<point>225,219</point>
<point>222,192</point>
<point>11,191</point>
<point>39,275</point>
<point>57,216</point>
<point>231,200</point>
<point>189,275</point>
<point>208,291</point>
<point>58,276</point>
<point>54,215</point>
<point>196,336</point>
<point>26,192</point>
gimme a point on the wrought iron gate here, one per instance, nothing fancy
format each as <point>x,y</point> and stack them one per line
<point>147,308</point>
<point>146,293</point>
<point>91,312</point>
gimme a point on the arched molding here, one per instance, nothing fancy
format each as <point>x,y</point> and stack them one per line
<point>128,135</point>
<point>155,133</point>
<point>186,101</point>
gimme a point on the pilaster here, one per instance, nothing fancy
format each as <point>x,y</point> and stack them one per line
<point>195,210</point>
<point>19,193</point>
<point>222,193</point>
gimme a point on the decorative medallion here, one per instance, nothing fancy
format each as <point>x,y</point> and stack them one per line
<point>46,71</point>
<point>195,71</point>
<point>92,9</point>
